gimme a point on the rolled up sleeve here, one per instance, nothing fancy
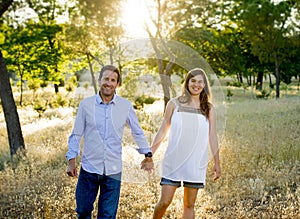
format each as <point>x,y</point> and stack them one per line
<point>138,133</point>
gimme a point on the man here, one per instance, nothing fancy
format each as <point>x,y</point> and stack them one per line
<point>100,120</point>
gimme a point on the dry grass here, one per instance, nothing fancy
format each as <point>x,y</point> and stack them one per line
<point>260,162</point>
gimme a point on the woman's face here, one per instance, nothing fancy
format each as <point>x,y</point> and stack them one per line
<point>196,85</point>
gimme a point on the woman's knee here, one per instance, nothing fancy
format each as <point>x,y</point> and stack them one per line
<point>189,205</point>
<point>164,203</point>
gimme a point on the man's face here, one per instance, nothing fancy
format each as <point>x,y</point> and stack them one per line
<point>108,83</point>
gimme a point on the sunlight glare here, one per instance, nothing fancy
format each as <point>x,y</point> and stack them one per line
<point>135,14</point>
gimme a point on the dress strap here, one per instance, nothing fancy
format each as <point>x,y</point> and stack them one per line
<point>177,104</point>
<point>175,100</point>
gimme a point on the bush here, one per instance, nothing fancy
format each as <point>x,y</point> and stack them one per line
<point>86,85</point>
<point>59,101</point>
<point>141,100</point>
<point>229,94</point>
<point>264,94</point>
<point>70,87</point>
<point>40,106</point>
<point>235,84</point>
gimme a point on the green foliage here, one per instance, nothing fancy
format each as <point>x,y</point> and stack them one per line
<point>229,94</point>
<point>141,100</point>
<point>44,84</point>
<point>33,50</point>
<point>85,85</point>
<point>40,106</point>
<point>73,80</point>
<point>71,84</point>
<point>263,94</point>
<point>84,35</point>
<point>59,100</point>
<point>253,38</point>
<point>33,85</point>
<point>283,86</point>
<point>129,87</point>
<point>235,84</point>
<point>70,87</point>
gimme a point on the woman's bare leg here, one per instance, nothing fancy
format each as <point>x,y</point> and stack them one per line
<point>167,194</point>
<point>189,198</point>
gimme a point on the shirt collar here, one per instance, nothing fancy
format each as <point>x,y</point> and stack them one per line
<point>100,101</point>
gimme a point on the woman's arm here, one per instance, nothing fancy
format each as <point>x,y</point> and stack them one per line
<point>213,141</point>
<point>165,126</point>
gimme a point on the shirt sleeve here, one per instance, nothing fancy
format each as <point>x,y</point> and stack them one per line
<point>137,132</point>
<point>76,135</point>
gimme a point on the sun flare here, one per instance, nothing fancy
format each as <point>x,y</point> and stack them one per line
<point>135,15</point>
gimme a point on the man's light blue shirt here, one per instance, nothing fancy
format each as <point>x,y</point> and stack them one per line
<point>102,126</point>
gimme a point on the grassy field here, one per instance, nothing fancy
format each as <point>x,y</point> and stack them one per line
<point>260,156</point>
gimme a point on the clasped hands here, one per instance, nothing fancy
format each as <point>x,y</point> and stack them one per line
<point>147,164</point>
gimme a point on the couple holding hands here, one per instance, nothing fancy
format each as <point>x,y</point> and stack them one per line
<point>100,120</point>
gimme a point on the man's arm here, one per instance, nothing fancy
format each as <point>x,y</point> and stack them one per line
<point>140,139</point>
<point>74,142</point>
<point>138,133</point>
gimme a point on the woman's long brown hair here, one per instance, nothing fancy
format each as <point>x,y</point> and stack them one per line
<point>204,96</point>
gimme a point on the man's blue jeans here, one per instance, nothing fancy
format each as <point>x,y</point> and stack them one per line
<point>87,190</point>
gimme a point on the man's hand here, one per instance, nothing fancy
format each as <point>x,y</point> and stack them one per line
<point>72,170</point>
<point>147,164</point>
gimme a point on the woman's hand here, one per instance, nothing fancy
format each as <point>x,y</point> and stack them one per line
<point>216,171</point>
<point>147,164</point>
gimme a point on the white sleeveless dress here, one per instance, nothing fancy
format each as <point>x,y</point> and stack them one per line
<point>186,157</point>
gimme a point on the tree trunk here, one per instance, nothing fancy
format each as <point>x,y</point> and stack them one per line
<point>249,80</point>
<point>166,84</point>
<point>240,78</point>
<point>271,85</point>
<point>4,6</point>
<point>21,87</point>
<point>159,45</point>
<point>56,88</point>
<point>298,84</point>
<point>259,80</point>
<point>165,74</point>
<point>92,73</point>
<point>270,79</point>
<point>277,76</point>
<point>111,51</point>
<point>15,137</point>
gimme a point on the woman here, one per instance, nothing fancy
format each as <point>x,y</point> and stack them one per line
<point>191,119</point>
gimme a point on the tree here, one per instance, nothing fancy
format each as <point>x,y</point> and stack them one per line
<point>15,137</point>
<point>173,18</point>
<point>170,16</point>
<point>52,57</point>
<point>28,55</point>
<point>268,29</point>
<point>94,28</point>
